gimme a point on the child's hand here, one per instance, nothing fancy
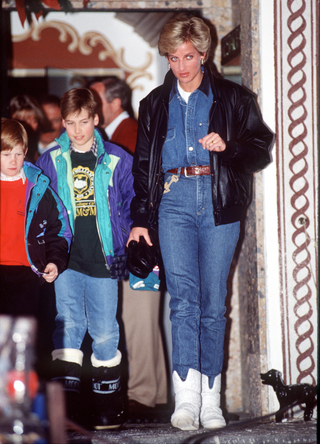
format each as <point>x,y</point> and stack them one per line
<point>51,271</point>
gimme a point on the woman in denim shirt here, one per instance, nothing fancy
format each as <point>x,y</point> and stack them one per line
<point>199,140</point>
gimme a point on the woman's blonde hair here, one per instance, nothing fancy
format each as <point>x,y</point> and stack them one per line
<point>23,106</point>
<point>181,29</point>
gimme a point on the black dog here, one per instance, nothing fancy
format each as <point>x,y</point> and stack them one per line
<point>290,394</point>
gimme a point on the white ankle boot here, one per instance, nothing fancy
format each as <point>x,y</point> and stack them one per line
<point>211,414</point>
<point>187,400</point>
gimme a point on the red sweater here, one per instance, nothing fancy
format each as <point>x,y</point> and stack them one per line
<point>125,134</point>
<point>12,227</point>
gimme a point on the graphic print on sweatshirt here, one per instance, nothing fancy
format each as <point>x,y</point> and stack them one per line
<point>83,185</point>
<point>87,254</point>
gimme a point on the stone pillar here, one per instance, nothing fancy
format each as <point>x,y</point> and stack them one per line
<point>251,259</point>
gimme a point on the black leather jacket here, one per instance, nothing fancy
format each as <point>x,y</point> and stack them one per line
<point>234,115</point>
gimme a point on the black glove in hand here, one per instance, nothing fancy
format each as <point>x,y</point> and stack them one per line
<point>118,268</point>
<point>141,259</point>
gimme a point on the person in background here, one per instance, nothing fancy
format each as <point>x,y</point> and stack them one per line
<point>51,107</point>
<point>94,181</point>
<point>35,234</point>
<point>147,382</point>
<point>200,139</point>
<point>27,110</point>
<point>115,112</point>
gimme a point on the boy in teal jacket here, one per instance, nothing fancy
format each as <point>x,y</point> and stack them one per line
<point>35,234</point>
<point>94,181</point>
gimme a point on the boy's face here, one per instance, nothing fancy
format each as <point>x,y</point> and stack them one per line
<point>12,161</point>
<point>80,128</point>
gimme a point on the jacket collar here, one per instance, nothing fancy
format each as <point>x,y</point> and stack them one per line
<point>167,85</point>
<point>31,171</point>
<point>100,143</point>
<point>64,142</point>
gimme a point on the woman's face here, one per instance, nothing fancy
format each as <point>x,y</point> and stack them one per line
<point>185,63</point>
<point>27,116</point>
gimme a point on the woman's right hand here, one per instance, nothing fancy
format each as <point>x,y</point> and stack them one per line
<point>135,234</point>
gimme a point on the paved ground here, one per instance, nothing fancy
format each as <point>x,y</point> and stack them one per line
<point>237,432</point>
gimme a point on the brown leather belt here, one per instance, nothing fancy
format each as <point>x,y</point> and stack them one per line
<point>192,171</point>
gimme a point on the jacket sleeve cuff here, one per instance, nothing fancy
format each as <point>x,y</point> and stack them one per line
<point>228,153</point>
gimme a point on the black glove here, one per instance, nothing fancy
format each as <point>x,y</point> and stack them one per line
<point>141,258</point>
<point>118,268</point>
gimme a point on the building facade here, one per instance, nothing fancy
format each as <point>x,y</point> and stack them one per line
<point>272,296</point>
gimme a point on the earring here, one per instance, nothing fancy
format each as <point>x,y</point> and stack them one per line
<point>202,61</point>
<point>169,67</point>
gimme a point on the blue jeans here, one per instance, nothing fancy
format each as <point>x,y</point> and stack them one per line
<point>86,303</point>
<point>197,256</point>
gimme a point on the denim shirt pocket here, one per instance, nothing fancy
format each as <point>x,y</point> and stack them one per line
<point>202,154</point>
<point>170,155</point>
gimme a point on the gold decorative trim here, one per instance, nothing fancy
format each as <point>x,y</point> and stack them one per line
<point>85,44</point>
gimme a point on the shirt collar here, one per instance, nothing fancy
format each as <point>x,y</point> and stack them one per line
<point>110,129</point>
<point>94,148</point>
<point>204,85</point>
<point>174,90</point>
<point>20,175</point>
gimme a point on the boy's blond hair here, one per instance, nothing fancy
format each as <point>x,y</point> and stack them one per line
<point>13,134</point>
<point>76,99</point>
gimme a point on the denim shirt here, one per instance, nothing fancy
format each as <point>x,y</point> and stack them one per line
<point>188,122</point>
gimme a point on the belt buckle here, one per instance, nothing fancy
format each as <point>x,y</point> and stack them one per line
<point>186,171</point>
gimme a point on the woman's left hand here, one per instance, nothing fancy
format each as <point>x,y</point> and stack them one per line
<point>212,142</point>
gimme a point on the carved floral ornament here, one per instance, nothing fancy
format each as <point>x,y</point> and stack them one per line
<point>84,45</point>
